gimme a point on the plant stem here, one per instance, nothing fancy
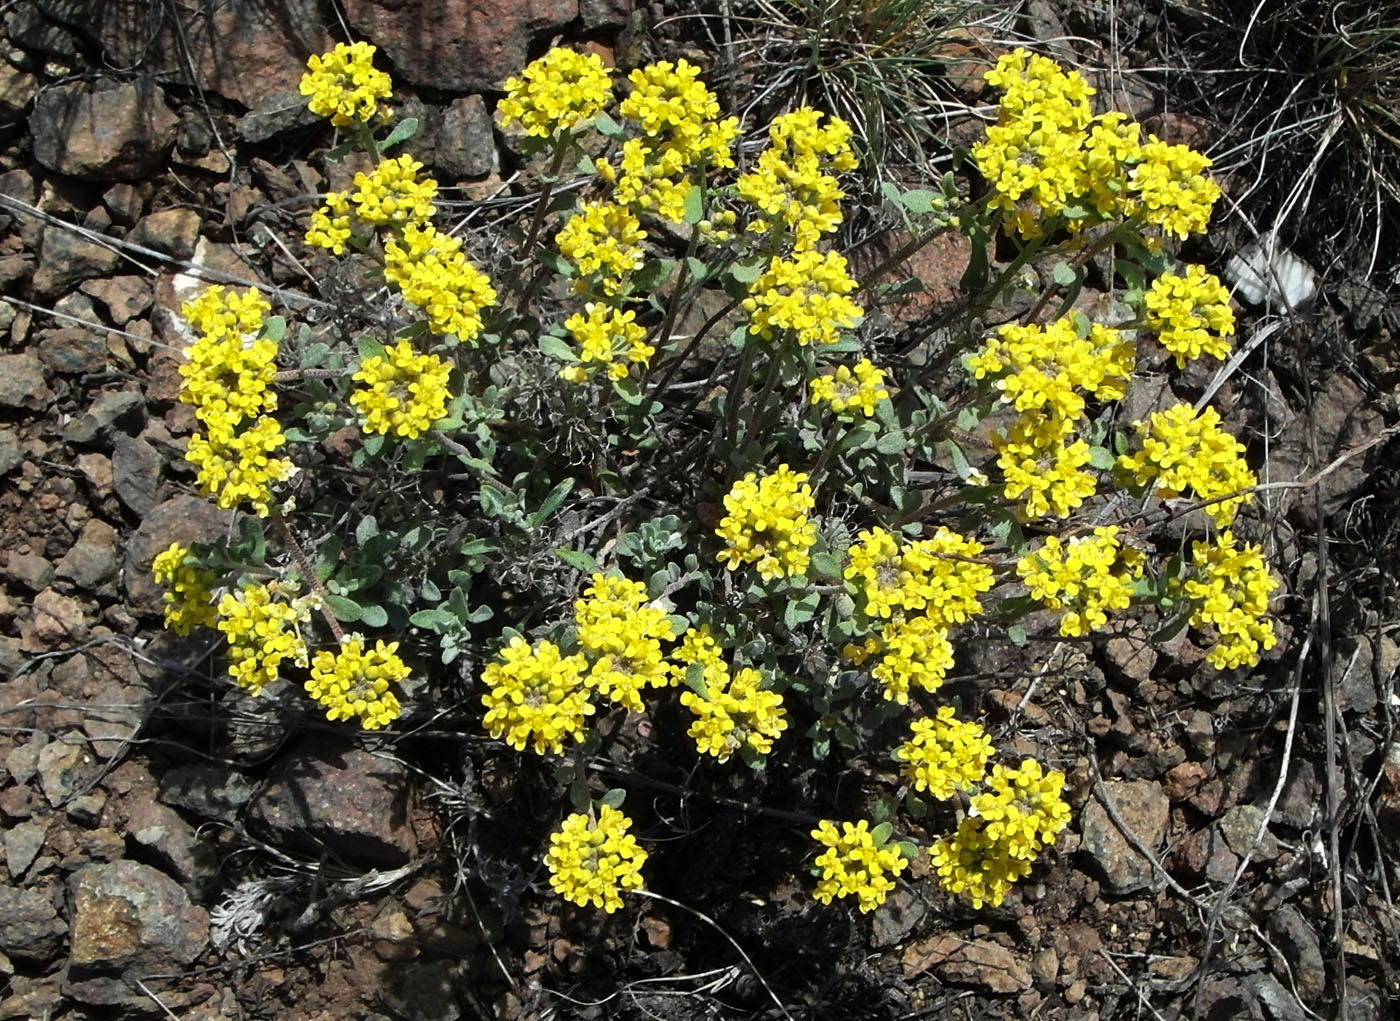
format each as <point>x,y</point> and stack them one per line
<point>304,565</point>
<point>828,448</point>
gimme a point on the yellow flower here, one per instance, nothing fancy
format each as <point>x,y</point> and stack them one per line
<point>343,84</point>
<point>767,524</point>
<point>353,683</point>
<point>1021,810</point>
<point>238,466</point>
<point>1085,577</point>
<point>1171,188</point>
<point>393,196</point>
<point>805,295</point>
<point>557,92</point>
<point>406,392</point>
<point>734,713</point>
<point>1231,595</point>
<point>846,390</point>
<point>912,653</point>
<point>594,861</point>
<point>1044,466</point>
<point>791,183</point>
<point>261,633</point>
<point>854,865</point>
<point>1184,452</point>
<point>602,239</point>
<point>944,754</point>
<point>623,636</point>
<point>431,271</point>
<point>189,596</point>
<point>536,696</point>
<point>607,338</point>
<point>973,866</point>
<point>1191,314</point>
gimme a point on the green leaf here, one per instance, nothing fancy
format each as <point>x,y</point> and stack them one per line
<point>374,444</point>
<point>921,202</point>
<point>367,529</point>
<point>694,205</point>
<point>1016,634</point>
<point>551,502</point>
<point>653,274</point>
<point>346,610</point>
<point>579,561</point>
<point>1101,458</point>
<point>373,616</point>
<point>891,444</point>
<point>746,271</point>
<point>695,680</point>
<point>1171,629</point>
<point>403,131</point>
<point>607,127</point>
<point>554,347</point>
<point>275,328</point>
<point>697,268</point>
<point>881,833</point>
<point>614,798</point>
<point>828,565</point>
<point>435,619</point>
<point>1063,274</point>
<point>882,810</point>
<point>368,348</point>
<point>908,850</point>
<point>314,356</point>
<point>476,547</point>
<point>578,797</point>
<point>916,806</point>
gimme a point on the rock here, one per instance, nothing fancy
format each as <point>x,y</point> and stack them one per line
<point>183,519</point>
<point>23,762</point>
<point>1300,948</point>
<point>93,558</point>
<point>63,768</point>
<point>172,232</point>
<point>1344,419</point>
<point>124,202</point>
<point>1356,669</point>
<point>161,829</point>
<point>897,918</point>
<point>113,716</point>
<point>209,791</point>
<point>135,473</point>
<point>28,570</point>
<point>425,990</point>
<point>97,469</point>
<point>119,132</point>
<point>969,962</point>
<point>108,415</point>
<point>604,13</point>
<point>32,930</point>
<point>23,841</point>
<point>330,795</point>
<point>11,456</point>
<point>128,916</point>
<point>22,383</point>
<point>67,258</point>
<point>57,623</point>
<point>71,350</point>
<point>275,114</point>
<point>1238,827</point>
<point>466,142</point>
<point>1182,781</point>
<point>17,91</point>
<point>1300,804</point>
<point>458,45</point>
<point>1144,808</point>
<point>1204,854</point>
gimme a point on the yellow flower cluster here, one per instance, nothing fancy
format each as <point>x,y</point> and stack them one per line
<point>404,392</point>
<point>767,524</point>
<point>1084,577</point>
<point>592,861</point>
<point>354,683</point>
<point>391,197</point>
<point>431,271</point>
<point>1191,314</point>
<point>536,695</point>
<point>938,575</point>
<point>604,240</point>
<point>1048,156</point>
<point>1020,812</point>
<point>849,390</point>
<point>608,338</point>
<point>854,864</point>
<point>1232,595</point>
<point>622,634</point>
<point>261,632</point>
<point>1044,372</point>
<point>1183,452</point>
<point>189,590</point>
<point>944,754</point>
<point>792,185</point>
<point>914,652</point>
<point>238,466</point>
<point>734,713</point>
<point>681,127</point>
<point>557,92</point>
<point>698,646</point>
<point>344,85</point>
<point>805,295</point>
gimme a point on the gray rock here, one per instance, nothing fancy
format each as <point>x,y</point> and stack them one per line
<point>22,383</point>
<point>458,45</point>
<point>11,457</point>
<point>23,763</point>
<point>135,473</point>
<point>86,809</point>
<point>1144,807</point>
<point>28,570</point>
<point>328,795</point>
<point>896,919</point>
<point>1295,939</point>
<point>32,930</point>
<point>276,114</point>
<point>93,558</point>
<point>208,791</point>
<point>466,144</point>
<point>17,91</point>
<point>1238,827</point>
<point>126,915</point>
<point>183,519</point>
<point>118,133</point>
<point>71,350</point>
<point>57,622</point>
<point>161,829</point>
<point>426,990</point>
<point>173,232</point>
<point>124,202</point>
<point>63,768</point>
<point>109,414</point>
<point>67,258</point>
<point>23,841</point>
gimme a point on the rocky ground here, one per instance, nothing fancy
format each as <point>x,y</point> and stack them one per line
<point>165,837</point>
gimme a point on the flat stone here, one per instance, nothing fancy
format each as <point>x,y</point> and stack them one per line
<point>161,829</point>
<point>113,131</point>
<point>124,297</point>
<point>330,796</point>
<point>126,915</point>
<point>32,930</point>
<point>93,558</point>
<point>978,963</point>
<point>184,519</point>
<point>67,258</point>
<point>108,415</point>
<point>1144,807</point>
<point>22,383</point>
<point>17,90</point>
<point>71,350</point>
<point>11,456</point>
<point>466,145</point>
<point>1297,941</point>
<point>57,622</point>
<point>276,114</point>
<point>63,768</point>
<point>135,473</point>
<point>172,232</point>
<point>1238,827</point>
<point>23,840</point>
<point>209,791</point>
<point>893,921</point>
<point>29,570</point>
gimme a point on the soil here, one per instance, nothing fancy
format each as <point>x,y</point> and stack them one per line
<point>175,848</point>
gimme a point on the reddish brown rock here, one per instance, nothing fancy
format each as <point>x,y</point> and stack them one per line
<point>971,962</point>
